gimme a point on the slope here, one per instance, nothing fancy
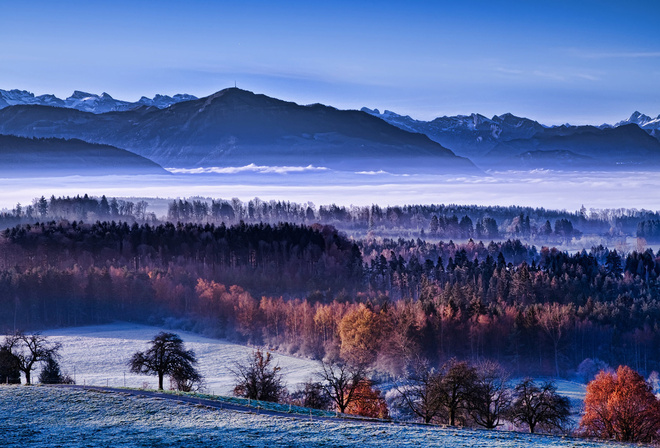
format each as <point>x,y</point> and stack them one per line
<point>235,127</point>
<point>24,157</point>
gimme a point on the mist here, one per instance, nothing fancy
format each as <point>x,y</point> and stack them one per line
<point>540,188</point>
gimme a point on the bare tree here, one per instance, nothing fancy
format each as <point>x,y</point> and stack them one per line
<point>259,379</point>
<point>166,356</point>
<point>29,350</point>
<point>555,319</point>
<point>420,390</point>
<point>533,405</point>
<point>342,381</point>
<point>491,396</point>
<point>458,379</point>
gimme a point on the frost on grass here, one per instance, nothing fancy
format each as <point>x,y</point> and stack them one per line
<point>97,355</point>
<point>51,417</point>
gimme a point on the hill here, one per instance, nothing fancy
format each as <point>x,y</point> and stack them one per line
<point>46,157</point>
<point>77,418</point>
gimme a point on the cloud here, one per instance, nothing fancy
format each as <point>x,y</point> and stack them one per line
<point>248,168</point>
<point>620,55</point>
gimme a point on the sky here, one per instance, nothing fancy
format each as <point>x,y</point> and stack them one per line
<point>579,62</point>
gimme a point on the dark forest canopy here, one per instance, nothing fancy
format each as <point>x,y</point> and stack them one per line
<point>313,291</point>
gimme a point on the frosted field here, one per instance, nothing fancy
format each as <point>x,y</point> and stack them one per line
<point>50,417</point>
<point>97,355</point>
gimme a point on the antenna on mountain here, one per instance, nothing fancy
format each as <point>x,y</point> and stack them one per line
<point>234,84</point>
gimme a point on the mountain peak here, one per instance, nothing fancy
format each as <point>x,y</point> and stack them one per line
<point>87,102</point>
<point>80,95</point>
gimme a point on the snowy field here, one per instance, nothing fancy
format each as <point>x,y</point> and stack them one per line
<point>97,355</point>
<point>42,417</point>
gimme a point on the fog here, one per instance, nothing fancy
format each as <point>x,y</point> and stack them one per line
<point>549,189</point>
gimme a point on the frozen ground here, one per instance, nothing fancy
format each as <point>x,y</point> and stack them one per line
<point>42,417</point>
<point>97,355</point>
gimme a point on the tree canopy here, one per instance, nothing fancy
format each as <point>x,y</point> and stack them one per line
<point>166,356</point>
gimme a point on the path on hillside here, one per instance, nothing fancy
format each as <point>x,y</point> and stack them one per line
<point>217,404</point>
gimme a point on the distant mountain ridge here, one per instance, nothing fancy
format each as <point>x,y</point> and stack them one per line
<point>471,136</point>
<point>88,102</point>
<point>234,127</point>
<point>26,157</point>
<point>510,142</point>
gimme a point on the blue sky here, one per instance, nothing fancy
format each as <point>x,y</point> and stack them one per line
<point>554,61</point>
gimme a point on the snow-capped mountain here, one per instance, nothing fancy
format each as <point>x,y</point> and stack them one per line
<point>643,121</point>
<point>470,135</point>
<point>87,102</point>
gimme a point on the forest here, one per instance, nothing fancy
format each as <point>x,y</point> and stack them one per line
<point>310,289</point>
<point>433,222</point>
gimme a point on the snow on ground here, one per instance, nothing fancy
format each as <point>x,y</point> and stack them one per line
<point>97,355</point>
<point>42,417</point>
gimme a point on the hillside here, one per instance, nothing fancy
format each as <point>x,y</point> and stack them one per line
<point>25,157</point>
<point>98,356</point>
<point>45,417</point>
<point>235,127</point>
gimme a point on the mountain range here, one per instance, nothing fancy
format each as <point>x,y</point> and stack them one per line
<point>87,102</point>
<point>235,127</point>
<point>510,142</point>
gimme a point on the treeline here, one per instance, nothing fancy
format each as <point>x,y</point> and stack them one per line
<point>311,291</point>
<point>271,258</point>
<point>446,221</point>
<point>649,229</point>
<point>78,208</point>
<point>427,221</point>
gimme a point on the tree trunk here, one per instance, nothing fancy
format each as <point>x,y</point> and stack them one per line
<point>27,376</point>
<point>160,380</point>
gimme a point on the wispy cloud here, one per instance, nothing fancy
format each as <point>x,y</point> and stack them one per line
<point>587,76</point>
<point>619,55</point>
<point>248,168</point>
<point>509,71</point>
<point>549,75</point>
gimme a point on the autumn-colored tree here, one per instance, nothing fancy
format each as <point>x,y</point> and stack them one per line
<point>341,382</point>
<point>369,402</point>
<point>621,406</point>
<point>555,319</point>
<point>359,331</point>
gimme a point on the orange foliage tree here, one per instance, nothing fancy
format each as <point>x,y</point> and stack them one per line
<point>369,402</point>
<point>621,406</point>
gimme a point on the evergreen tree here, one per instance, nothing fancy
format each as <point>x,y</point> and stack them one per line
<point>51,373</point>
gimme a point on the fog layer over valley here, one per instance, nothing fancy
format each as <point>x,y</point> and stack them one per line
<point>539,188</point>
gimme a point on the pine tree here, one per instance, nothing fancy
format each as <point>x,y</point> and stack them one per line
<point>51,373</point>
